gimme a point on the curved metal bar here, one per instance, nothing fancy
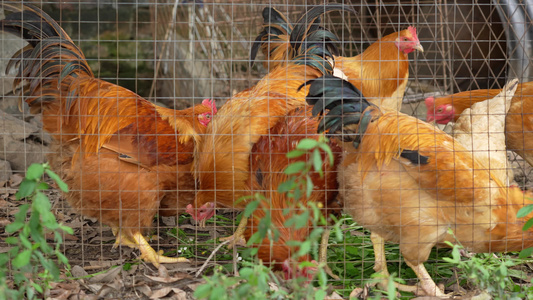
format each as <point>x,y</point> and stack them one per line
<point>517,19</point>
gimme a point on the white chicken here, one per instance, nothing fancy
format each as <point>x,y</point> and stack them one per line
<point>481,130</point>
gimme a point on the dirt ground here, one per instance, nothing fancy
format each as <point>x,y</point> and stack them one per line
<point>119,274</point>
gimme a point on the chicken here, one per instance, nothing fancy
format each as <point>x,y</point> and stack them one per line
<point>222,159</point>
<point>268,162</point>
<point>120,155</point>
<point>481,130</point>
<point>408,182</point>
<point>380,72</point>
<point>518,123</point>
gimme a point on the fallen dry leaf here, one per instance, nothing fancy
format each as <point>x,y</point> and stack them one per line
<point>108,290</point>
<point>4,222</point>
<point>106,277</point>
<point>145,289</point>
<point>180,276</point>
<point>66,237</point>
<point>178,294</point>
<point>63,290</point>
<point>15,180</point>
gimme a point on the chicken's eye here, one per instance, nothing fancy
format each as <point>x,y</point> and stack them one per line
<point>208,116</point>
<point>439,110</point>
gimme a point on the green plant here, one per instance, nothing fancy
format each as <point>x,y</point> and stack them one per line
<point>489,273</point>
<point>32,259</point>
<point>522,213</point>
<point>254,277</point>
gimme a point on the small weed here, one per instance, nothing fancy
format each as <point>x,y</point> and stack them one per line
<point>30,259</point>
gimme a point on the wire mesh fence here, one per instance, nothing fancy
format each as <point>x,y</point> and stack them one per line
<point>138,170</point>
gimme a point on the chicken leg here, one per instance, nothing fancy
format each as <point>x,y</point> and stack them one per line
<point>426,282</point>
<point>380,265</point>
<point>237,239</point>
<point>148,253</point>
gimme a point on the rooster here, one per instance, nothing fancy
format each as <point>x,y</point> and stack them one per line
<point>408,182</point>
<point>120,155</point>
<point>268,162</point>
<point>222,159</point>
<point>518,123</point>
<point>380,72</point>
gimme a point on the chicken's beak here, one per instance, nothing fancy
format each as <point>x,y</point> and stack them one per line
<point>419,47</point>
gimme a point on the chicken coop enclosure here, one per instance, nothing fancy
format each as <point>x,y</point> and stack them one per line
<point>195,126</point>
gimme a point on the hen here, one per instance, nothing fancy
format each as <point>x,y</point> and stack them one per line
<point>120,155</point>
<point>222,159</point>
<point>481,129</point>
<point>518,123</point>
<point>380,72</point>
<point>408,182</point>
<point>268,162</point>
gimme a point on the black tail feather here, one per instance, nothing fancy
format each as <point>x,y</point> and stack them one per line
<point>310,43</point>
<point>346,105</point>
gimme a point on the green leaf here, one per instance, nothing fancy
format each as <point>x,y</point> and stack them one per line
<point>317,161</point>
<point>391,289</point>
<point>40,203</point>
<point>66,229</point>
<point>26,188</point>
<point>307,144</point>
<point>12,240</point>
<point>310,186</point>
<point>286,186</point>
<point>202,291</point>
<point>528,224</point>
<point>326,148</point>
<point>525,253</point>
<point>64,260</point>
<point>250,208</point>
<point>246,272</point>
<point>37,287</point>
<point>295,153</point>
<point>34,172</point>
<point>305,247</point>
<point>22,259</point>
<point>320,295</point>
<point>524,211</point>
<point>295,167</point>
<point>13,227</point>
<point>43,186</point>
<point>62,185</point>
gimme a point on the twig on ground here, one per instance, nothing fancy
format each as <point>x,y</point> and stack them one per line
<point>210,256</point>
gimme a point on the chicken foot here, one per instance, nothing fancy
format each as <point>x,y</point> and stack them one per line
<point>426,282</point>
<point>148,253</point>
<point>237,239</point>
<point>380,265</point>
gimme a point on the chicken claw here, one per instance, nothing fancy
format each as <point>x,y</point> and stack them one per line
<point>426,283</point>
<point>148,253</point>
<point>380,265</point>
<point>237,239</point>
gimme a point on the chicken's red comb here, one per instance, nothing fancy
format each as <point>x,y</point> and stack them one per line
<point>430,100</point>
<point>412,31</point>
<point>210,103</point>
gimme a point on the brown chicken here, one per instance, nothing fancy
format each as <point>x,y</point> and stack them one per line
<point>518,123</point>
<point>120,155</point>
<point>268,162</point>
<point>222,160</point>
<point>408,182</point>
<point>380,72</point>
